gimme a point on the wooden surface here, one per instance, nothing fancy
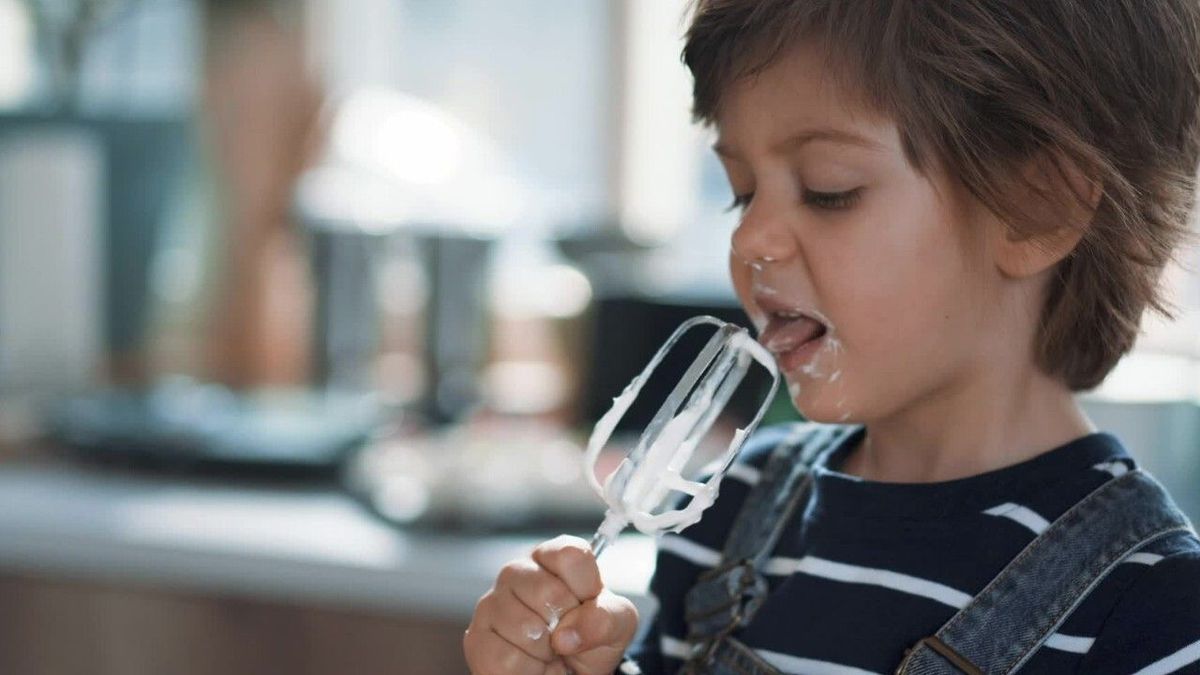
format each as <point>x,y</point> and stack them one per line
<point>55,627</point>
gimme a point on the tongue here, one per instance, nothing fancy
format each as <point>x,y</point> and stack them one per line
<point>782,335</point>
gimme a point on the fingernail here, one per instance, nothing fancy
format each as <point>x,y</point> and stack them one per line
<point>569,640</point>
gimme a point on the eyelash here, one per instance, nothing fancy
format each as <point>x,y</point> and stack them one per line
<point>740,202</point>
<point>828,201</point>
<point>831,201</point>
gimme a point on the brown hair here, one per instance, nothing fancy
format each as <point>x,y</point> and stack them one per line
<point>981,87</point>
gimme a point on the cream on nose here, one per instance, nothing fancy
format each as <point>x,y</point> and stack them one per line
<point>755,262</point>
<point>760,243</point>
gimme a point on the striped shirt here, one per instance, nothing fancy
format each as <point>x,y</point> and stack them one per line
<point>867,569</point>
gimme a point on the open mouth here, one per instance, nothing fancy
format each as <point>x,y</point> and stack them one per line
<point>793,337</point>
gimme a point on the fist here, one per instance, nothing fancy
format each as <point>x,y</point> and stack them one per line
<point>549,614</point>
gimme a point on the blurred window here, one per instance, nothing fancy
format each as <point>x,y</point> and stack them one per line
<point>118,56</point>
<point>533,75</point>
<point>17,57</point>
<point>144,56</point>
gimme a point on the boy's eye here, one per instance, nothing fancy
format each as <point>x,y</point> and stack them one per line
<point>831,201</point>
<point>740,202</point>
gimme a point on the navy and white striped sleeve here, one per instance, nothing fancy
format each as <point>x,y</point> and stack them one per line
<point>1154,629</point>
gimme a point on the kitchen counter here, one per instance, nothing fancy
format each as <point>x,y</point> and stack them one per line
<point>311,545</point>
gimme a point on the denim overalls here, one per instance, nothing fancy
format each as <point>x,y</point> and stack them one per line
<point>995,633</point>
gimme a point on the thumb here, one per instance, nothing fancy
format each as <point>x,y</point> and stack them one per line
<point>594,635</point>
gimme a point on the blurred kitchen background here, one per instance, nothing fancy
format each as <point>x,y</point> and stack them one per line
<point>308,306</point>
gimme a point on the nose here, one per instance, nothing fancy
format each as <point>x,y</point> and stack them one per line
<point>761,237</point>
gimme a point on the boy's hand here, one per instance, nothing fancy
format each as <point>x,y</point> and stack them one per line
<point>549,614</point>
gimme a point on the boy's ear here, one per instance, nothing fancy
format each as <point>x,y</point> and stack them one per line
<point>1062,200</point>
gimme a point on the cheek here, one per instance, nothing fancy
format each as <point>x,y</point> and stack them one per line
<point>902,296</point>
<point>923,339</point>
<point>905,270</point>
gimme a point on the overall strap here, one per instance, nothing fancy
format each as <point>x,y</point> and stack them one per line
<point>1009,619</point>
<point>727,596</point>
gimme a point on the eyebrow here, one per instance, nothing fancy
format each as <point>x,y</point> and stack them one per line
<point>795,141</point>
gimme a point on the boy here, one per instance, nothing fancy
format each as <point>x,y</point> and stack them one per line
<point>953,214</point>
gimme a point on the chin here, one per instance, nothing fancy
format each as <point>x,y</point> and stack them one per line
<point>820,401</point>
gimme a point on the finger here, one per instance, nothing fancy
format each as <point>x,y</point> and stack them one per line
<point>607,620</point>
<point>594,636</point>
<point>539,589</point>
<point>571,559</point>
<point>522,626</point>
<point>558,668</point>
<point>599,661</point>
<point>490,654</point>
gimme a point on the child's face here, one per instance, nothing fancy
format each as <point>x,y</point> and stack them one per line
<point>889,265</point>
